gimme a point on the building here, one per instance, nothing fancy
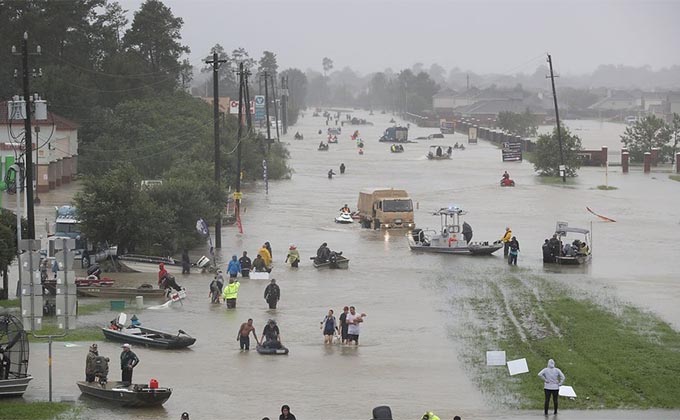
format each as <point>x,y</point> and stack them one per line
<point>56,141</point>
<point>617,100</point>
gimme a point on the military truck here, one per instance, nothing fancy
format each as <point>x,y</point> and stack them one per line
<point>385,208</point>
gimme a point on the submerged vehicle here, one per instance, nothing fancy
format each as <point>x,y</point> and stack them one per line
<point>439,152</point>
<point>14,377</point>
<point>344,218</point>
<point>449,239</point>
<point>147,336</point>
<point>579,252</point>
<point>385,208</point>
<point>134,395</point>
<point>395,135</point>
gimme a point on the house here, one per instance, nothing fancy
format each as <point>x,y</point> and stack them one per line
<point>56,141</point>
<point>488,109</point>
<point>617,100</point>
<point>652,99</point>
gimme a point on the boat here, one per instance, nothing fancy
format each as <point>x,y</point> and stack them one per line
<point>339,262</point>
<point>449,240</point>
<point>439,152</point>
<point>146,336</point>
<point>298,136</point>
<point>14,348</point>
<point>344,218</point>
<point>396,148</point>
<point>507,182</point>
<point>323,147</point>
<point>332,139</point>
<point>276,352</point>
<point>149,264</point>
<point>121,292</point>
<point>134,395</point>
<point>395,135</point>
<point>580,257</point>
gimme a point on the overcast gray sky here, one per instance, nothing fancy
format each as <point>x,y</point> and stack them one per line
<point>483,36</point>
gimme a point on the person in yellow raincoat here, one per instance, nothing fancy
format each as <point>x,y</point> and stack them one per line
<point>266,256</point>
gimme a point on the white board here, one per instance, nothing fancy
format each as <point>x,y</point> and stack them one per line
<point>567,391</point>
<point>518,366</point>
<point>255,275</point>
<point>495,358</point>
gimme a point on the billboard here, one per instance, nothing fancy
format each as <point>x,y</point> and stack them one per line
<point>512,151</point>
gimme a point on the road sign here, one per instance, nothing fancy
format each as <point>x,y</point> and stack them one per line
<point>259,108</point>
<point>238,195</point>
<point>233,107</point>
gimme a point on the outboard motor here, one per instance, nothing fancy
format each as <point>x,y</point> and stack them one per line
<point>94,270</point>
<point>382,412</point>
<point>101,369</point>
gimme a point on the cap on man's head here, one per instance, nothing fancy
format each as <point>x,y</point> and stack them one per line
<point>126,346</point>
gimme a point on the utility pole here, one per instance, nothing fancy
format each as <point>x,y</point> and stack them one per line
<point>284,103</point>
<point>37,166</point>
<point>28,146</point>
<point>276,109</point>
<point>562,168</point>
<point>216,119</point>
<point>242,95</point>
<point>266,107</point>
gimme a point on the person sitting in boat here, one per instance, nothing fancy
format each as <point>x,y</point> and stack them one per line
<point>323,253</point>
<point>456,146</point>
<point>322,145</point>
<point>162,272</point>
<point>449,151</point>
<point>583,249</point>
<point>293,256</point>
<point>259,265</point>
<point>135,322</point>
<point>168,282</point>
<point>271,336</point>
<point>568,250</point>
<point>439,151</point>
<point>345,209</point>
<point>506,175</point>
<point>333,258</point>
<point>555,247</point>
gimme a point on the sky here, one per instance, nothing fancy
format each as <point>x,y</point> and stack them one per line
<point>483,36</point>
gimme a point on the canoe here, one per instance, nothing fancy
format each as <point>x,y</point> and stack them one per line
<point>150,338</point>
<point>135,395</point>
<point>121,292</point>
<point>272,352</point>
<point>341,262</point>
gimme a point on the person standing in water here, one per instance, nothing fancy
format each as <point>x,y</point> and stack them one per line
<point>246,264</point>
<point>272,294</point>
<point>507,236</point>
<point>329,326</point>
<point>553,378</point>
<point>514,251</point>
<point>342,168</point>
<point>243,336</point>
<point>293,256</point>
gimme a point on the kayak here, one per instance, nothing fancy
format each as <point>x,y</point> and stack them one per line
<point>270,351</point>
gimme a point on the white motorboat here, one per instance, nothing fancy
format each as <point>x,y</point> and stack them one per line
<point>450,239</point>
<point>344,218</point>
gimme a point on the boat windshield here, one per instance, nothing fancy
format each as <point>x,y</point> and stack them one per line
<point>397,205</point>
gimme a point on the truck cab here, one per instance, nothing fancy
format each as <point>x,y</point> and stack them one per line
<point>385,208</point>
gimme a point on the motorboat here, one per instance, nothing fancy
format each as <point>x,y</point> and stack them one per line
<point>149,264</point>
<point>439,153</point>
<point>147,337</point>
<point>507,182</point>
<point>449,239</point>
<point>298,136</point>
<point>336,261</point>
<point>134,395</point>
<point>323,147</point>
<point>121,292</point>
<point>396,148</point>
<point>580,251</point>
<point>344,218</point>
<point>271,351</point>
<point>14,377</point>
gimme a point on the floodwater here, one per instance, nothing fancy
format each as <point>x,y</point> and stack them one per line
<point>408,359</point>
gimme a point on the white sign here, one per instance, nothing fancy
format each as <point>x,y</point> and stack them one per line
<point>567,391</point>
<point>518,366</point>
<point>233,107</point>
<point>495,358</point>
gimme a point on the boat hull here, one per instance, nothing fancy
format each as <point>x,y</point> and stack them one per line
<point>120,292</point>
<point>272,352</point>
<point>577,260</point>
<point>150,267</point>
<point>164,341</point>
<point>14,387</point>
<point>341,263</point>
<point>127,396</point>
<point>471,249</point>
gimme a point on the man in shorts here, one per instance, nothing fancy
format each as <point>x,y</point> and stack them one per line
<point>243,336</point>
<point>353,329</point>
<point>343,324</point>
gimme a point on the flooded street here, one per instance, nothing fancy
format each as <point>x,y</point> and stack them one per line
<point>409,357</point>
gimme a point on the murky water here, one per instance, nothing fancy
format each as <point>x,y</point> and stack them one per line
<point>406,358</point>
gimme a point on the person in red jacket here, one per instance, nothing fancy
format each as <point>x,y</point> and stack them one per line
<point>162,272</point>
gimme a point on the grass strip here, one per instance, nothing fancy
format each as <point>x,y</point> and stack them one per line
<point>34,410</point>
<point>87,333</point>
<point>11,303</point>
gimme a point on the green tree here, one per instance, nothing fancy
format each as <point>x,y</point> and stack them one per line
<point>674,128</point>
<point>8,246</point>
<point>414,92</point>
<point>155,37</point>
<point>297,93</point>
<point>268,63</point>
<point>524,125</point>
<point>645,134</point>
<point>327,65</point>
<point>241,55</point>
<point>228,84</point>
<point>547,153</point>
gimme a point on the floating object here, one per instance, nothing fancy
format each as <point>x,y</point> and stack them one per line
<point>344,218</point>
<point>259,275</point>
<point>270,351</point>
<point>515,367</point>
<point>606,219</point>
<point>495,358</point>
<point>135,395</point>
<point>567,391</point>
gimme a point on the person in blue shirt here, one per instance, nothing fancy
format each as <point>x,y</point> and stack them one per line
<point>234,267</point>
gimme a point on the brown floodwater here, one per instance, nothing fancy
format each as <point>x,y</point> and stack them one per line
<point>408,358</point>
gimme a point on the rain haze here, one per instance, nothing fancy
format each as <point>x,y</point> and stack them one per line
<point>480,36</point>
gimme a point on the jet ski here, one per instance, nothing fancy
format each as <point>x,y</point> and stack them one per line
<point>344,218</point>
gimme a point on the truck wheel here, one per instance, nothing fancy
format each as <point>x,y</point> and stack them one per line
<point>376,224</point>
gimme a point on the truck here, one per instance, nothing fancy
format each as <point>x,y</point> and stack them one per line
<point>385,208</point>
<point>395,135</point>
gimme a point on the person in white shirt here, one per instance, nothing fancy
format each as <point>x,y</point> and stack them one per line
<point>354,328</point>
